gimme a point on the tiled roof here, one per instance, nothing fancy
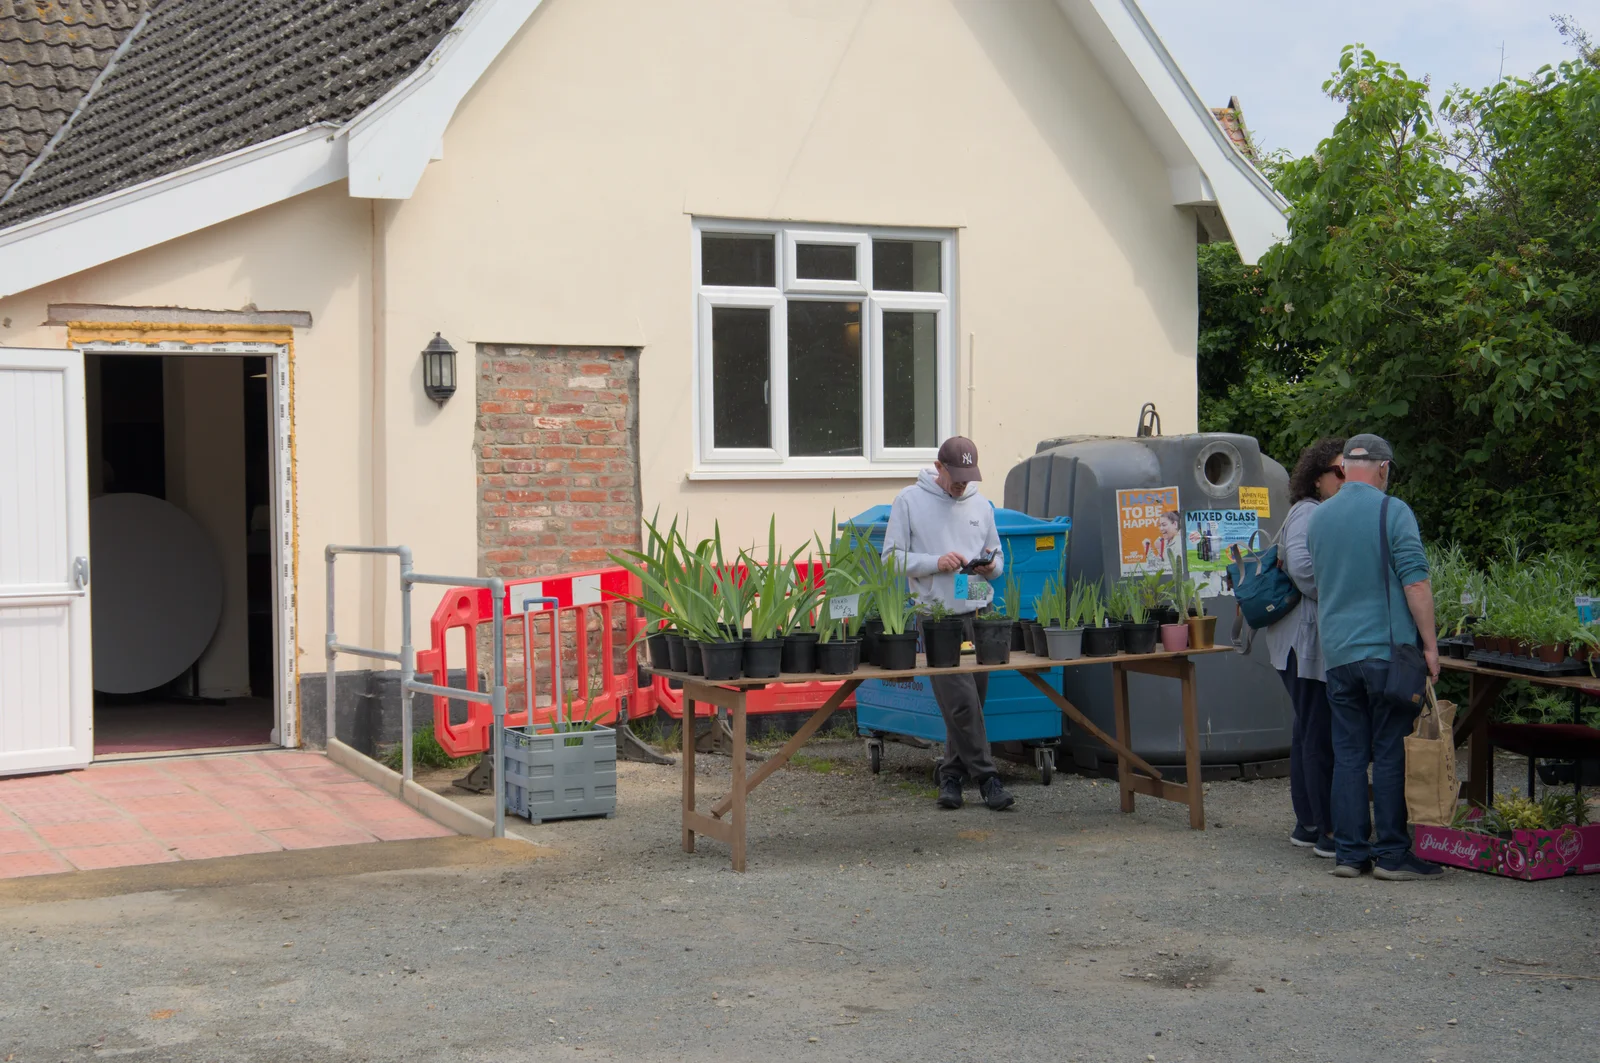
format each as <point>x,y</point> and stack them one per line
<point>203,78</point>
<point>1231,119</point>
<point>50,53</point>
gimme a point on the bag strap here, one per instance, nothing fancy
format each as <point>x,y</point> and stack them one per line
<point>1383,556</point>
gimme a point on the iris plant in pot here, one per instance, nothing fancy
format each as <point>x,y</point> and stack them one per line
<point>1011,605</point>
<point>771,590</point>
<point>991,637</point>
<point>1099,633</point>
<point>1065,643</point>
<point>885,579</point>
<point>1140,633</point>
<point>838,648</point>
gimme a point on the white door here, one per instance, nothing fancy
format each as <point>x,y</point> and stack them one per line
<point>46,676</point>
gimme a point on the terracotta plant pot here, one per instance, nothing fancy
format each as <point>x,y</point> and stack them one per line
<point>1174,637</point>
<point>1202,632</point>
<point>1552,654</point>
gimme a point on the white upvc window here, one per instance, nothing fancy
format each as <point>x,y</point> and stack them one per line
<point>821,350</point>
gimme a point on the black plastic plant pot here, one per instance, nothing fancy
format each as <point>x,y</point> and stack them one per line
<point>763,658</point>
<point>692,656</point>
<point>1036,643</point>
<point>991,641</point>
<point>1165,616</point>
<point>800,653</point>
<point>660,652</point>
<point>897,652</point>
<point>1140,638</point>
<point>677,653</point>
<point>941,642</point>
<point>722,660</point>
<point>1019,635</point>
<point>870,630</point>
<point>1100,641</point>
<point>837,657</point>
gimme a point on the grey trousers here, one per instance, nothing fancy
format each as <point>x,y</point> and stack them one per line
<point>966,744</point>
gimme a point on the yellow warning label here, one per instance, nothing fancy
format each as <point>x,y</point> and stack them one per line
<point>1256,498</point>
<point>1044,542</point>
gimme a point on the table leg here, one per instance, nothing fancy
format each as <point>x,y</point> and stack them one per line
<point>1481,696</point>
<point>688,771</point>
<point>1119,701</point>
<point>1191,746</point>
<point>737,816</point>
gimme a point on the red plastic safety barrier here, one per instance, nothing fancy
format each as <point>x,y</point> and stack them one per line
<point>582,595</point>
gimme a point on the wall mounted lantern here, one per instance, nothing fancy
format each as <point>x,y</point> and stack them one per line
<point>439,369</point>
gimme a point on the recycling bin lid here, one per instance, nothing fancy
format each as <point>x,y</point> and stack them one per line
<point>1006,521</point>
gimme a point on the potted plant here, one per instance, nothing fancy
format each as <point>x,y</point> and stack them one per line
<point>1042,606</point>
<point>769,589</point>
<point>1139,633</point>
<point>579,751</point>
<point>885,578</point>
<point>942,634</point>
<point>1100,633</point>
<point>800,633</point>
<point>1065,641</point>
<point>838,650</point>
<point>991,637</point>
<point>1011,602</point>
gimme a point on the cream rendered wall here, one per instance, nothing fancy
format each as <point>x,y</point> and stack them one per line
<point>311,253</point>
<point>561,212</point>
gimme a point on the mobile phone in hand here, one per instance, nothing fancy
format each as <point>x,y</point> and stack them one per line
<point>978,562</point>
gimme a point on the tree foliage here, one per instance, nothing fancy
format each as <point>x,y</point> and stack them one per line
<point>1440,286</point>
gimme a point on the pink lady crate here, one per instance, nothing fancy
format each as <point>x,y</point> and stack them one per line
<point>1527,854</point>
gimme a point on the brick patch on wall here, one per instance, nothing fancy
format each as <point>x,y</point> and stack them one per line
<point>558,457</point>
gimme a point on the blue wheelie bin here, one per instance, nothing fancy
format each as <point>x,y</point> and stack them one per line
<point>1014,711</point>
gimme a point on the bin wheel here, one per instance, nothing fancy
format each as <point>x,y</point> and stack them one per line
<point>874,755</point>
<point>1046,759</point>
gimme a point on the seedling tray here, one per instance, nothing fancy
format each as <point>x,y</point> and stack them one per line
<point>1529,665</point>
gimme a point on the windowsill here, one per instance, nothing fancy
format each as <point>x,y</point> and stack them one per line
<point>772,472</point>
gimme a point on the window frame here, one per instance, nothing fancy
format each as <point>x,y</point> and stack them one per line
<point>877,460</point>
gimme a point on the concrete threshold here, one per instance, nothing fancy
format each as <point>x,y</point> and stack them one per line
<point>291,865</point>
<point>441,810</point>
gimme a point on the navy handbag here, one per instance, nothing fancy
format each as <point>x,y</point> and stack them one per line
<point>1262,590</point>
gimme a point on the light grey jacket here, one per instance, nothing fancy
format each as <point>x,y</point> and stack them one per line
<point>925,523</point>
<point>1298,630</point>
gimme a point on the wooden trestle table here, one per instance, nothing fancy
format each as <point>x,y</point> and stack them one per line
<point>726,818</point>
<point>1472,726</point>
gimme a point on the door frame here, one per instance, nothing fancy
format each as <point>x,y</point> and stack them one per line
<point>276,344</point>
<point>75,591</point>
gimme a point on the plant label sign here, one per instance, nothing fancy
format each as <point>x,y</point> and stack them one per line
<point>843,607</point>
<point>1149,527</point>
<point>1208,535</point>
<point>1587,612</point>
<point>972,588</point>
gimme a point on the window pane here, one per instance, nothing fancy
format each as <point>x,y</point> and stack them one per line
<point>825,262</point>
<point>737,259</point>
<point>910,378</point>
<point>824,378</point>
<point>741,362</point>
<point>905,265</point>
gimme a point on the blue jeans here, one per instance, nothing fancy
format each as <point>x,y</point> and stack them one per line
<point>1368,728</point>
<point>1310,750</point>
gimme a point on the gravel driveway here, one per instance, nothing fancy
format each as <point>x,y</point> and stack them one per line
<point>871,926</point>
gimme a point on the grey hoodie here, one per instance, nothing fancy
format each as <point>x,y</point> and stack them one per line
<point>925,523</point>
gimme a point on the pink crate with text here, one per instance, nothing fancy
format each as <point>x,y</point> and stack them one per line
<point>1528,854</point>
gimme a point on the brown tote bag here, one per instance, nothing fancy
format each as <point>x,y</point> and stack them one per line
<point>1431,785</point>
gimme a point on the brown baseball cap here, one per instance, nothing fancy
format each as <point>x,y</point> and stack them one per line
<point>960,455</point>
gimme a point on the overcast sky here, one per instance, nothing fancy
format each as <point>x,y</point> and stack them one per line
<point>1275,54</point>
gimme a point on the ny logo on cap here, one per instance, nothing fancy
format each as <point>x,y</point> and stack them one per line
<point>966,459</point>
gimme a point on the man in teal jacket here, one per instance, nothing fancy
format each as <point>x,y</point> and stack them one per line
<point>1362,611</point>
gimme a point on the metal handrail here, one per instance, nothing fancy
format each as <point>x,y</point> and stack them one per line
<point>406,658</point>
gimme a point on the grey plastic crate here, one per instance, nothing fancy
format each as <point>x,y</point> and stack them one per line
<point>560,776</point>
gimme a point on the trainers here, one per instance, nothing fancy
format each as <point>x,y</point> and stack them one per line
<point>1408,869</point>
<point>949,792</point>
<point>994,795</point>
<point>1324,847</point>
<point>1352,870</point>
<point>1304,837</point>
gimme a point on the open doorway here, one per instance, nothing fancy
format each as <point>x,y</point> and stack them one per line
<point>182,551</point>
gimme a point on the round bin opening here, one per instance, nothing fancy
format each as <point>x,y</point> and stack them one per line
<point>1219,469</point>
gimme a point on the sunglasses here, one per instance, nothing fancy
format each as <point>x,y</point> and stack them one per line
<point>1337,470</point>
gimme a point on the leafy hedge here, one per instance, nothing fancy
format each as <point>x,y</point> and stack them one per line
<point>1441,287</point>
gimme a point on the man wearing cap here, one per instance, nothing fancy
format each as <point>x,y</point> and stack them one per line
<point>1362,611</point>
<point>938,525</point>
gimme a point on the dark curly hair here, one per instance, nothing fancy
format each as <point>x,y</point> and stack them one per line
<point>1314,461</point>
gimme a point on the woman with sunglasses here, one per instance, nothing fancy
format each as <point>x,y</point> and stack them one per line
<point>1297,656</point>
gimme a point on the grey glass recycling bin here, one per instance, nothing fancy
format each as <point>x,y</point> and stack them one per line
<point>1245,714</point>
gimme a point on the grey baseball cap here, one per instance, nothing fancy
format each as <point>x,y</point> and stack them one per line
<point>959,455</point>
<point>1369,447</point>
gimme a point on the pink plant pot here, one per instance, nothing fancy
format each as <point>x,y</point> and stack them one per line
<point>1174,637</point>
